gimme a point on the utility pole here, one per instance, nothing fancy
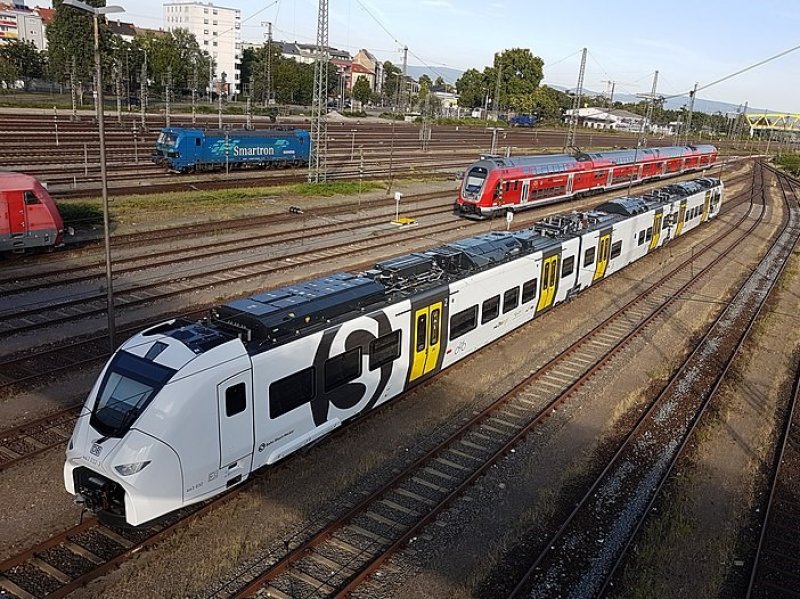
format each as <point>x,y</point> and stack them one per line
<point>576,104</point>
<point>143,93</point>
<point>249,109</point>
<point>692,94</point>
<point>219,98</point>
<point>268,65</point>
<point>118,86</point>
<point>194,92</point>
<point>317,168</point>
<point>210,81</point>
<point>73,83</point>
<point>499,67</point>
<point>404,80</point>
<point>168,94</point>
<point>649,113</point>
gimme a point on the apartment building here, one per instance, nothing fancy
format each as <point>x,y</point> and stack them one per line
<point>218,31</point>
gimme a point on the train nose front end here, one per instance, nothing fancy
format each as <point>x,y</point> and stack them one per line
<point>116,465</point>
<point>126,482</point>
<point>473,190</point>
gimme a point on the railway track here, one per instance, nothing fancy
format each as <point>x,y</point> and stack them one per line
<point>775,567</point>
<point>589,545</point>
<point>72,558</point>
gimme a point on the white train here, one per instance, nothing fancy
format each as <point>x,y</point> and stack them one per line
<point>185,410</point>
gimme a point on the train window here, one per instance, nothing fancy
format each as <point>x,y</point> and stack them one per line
<point>648,234</point>
<point>510,299</point>
<point>567,266</point>
<point>640,241</point>
<point>463,322</point>
<point>384,349</point>
<point>422,332</point>
<point>197,141</point>
<point>616,249</point>
<point>342,369</point>
<point>666,223</point>
<point>235,399</point>
<point>490,309</point>
<point>516,185</point>
<point>528,291</point>
<point>291,392</point>
<point>434,336</point>
<point>30,198</point>
<point>588,257</point>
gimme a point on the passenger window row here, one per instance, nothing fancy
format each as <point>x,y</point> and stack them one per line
<point>693,213</point>
<point>465,321</point>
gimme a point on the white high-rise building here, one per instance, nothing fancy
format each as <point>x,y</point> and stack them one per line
<point>218,31</point>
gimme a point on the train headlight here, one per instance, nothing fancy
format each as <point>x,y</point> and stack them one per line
<point>129,469</point>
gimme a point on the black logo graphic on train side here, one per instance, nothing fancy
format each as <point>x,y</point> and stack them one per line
<point>349,394</point>
<point>96,449</point>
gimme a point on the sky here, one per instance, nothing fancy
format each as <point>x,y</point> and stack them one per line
<point>627,41</point>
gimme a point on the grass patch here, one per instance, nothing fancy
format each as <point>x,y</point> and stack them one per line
<point>333,188</point>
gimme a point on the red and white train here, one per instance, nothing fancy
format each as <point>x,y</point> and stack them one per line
<point>495,183</point>
<point>29,218</point>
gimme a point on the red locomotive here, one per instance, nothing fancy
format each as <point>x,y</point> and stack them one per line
<point>494,183</point>
<point>29,217</point>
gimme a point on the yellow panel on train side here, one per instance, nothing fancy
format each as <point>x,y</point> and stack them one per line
<point>656,231</point>
<point>706,207</point>
<point>420,342</point>
<point>681,218</point>
<point>434,337</point>
<point>602,256</point>
<point>549,278</point>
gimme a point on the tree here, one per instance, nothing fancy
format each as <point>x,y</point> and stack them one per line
<point>391,80</point>
<point>71,34</point>
<point>175,51</point>
<point>425,85</point>
<point>28,61</point>
<point>8,71</point>
<point>472,88</point>
<point>361,90</point>
<point>520,75</point>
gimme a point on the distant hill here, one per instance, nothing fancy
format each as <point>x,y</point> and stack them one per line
<point>446,73</point>
<point>700,104</point>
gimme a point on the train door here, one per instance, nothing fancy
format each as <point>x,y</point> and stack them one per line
<point>681,218</point>
<point>656,230</point>
<point>570,183</point>
<point>706,207</point>
<point>549,279</point>
<point>603,246</point>
<point>523,198</point>
<point>15,204</point>
<point>235,410</point>
<point>426,338</point>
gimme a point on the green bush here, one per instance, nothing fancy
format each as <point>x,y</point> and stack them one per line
<point>80,215</point>
<point>790,163</point>
<point>360,114</point>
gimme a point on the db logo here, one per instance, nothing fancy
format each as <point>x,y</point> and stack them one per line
<point>96,449</point>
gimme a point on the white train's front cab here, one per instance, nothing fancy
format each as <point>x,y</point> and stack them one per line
<point>155,433</point>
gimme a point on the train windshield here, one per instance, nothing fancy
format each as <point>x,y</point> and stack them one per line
<point>474,180</point>
<point>166,140</point>
<point>129,385</point>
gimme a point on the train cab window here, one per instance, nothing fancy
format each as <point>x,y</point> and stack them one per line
<point>640,240</point>
<point>342,369</point>
<point>291,392</point>
<point>490,309</point>
<point>422,332</point>
<point>30,198</point>
<point>588,257</point>
<point>510,299</point>
<point>384,349</point>
<point>567,266</point>
<point>235,399</point>
<point>528,291</point>
<point>616,249</point>
<point>463,322</point>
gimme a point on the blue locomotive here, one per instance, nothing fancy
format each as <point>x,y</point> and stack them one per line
<point>184,150</point>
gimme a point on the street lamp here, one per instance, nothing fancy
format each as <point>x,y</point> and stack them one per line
<point>96,12</point>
